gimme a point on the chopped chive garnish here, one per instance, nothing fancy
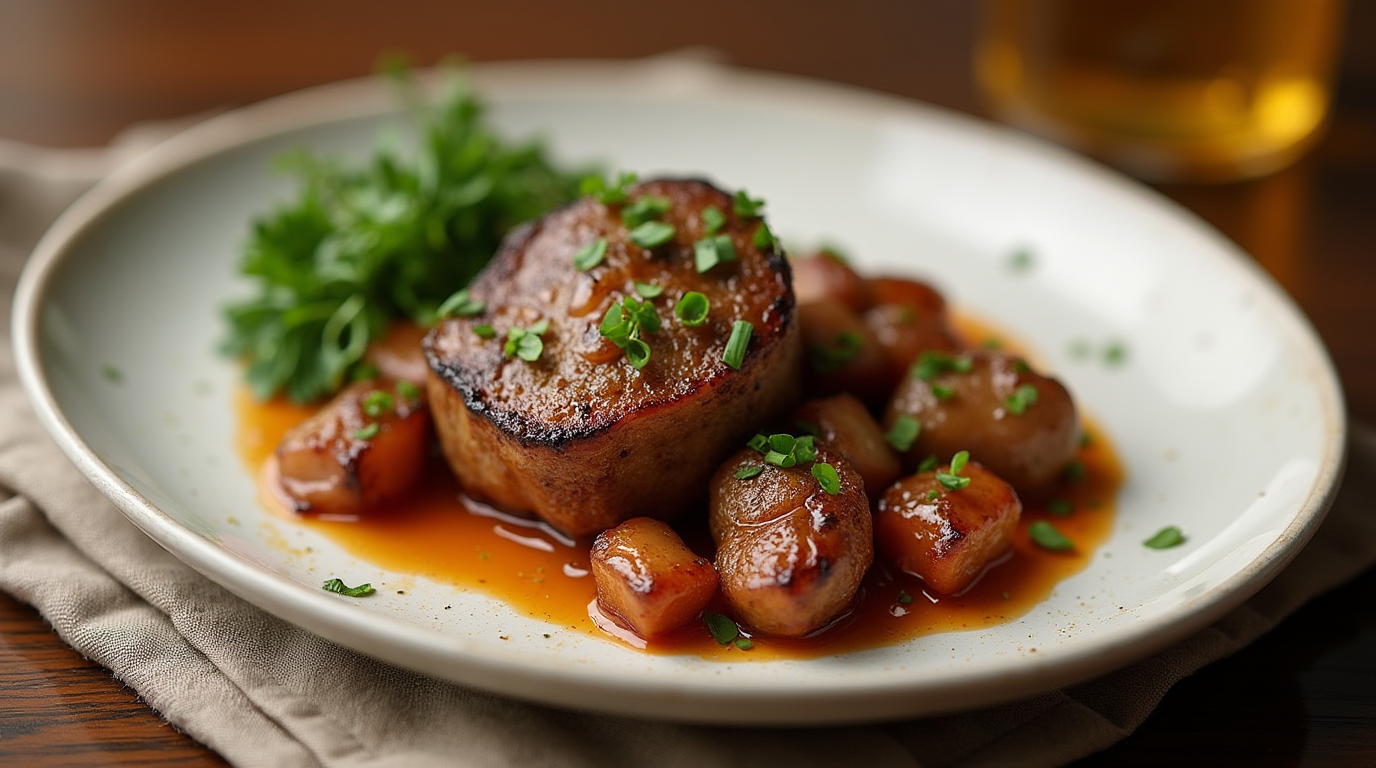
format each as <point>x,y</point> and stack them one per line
<point>711,251</point>
<point>932,495</point>
<point>764,238</point>
<point>992,343</point>
<point>377,403</point>
<point>904,597</point>
<point>364,372</point>
<point>652,234</point>
<point>613,194</point>
<point>712,220</point>
<point>942,392</point>
<point>843,349</point>
<point>1048,536</point>
<point>691,310</point>
<point>807,427</point>
<point>112,374</point>
<point>367,432</point>
<point>932,364</point>
<point>749,471</point>
<point>826,476</point>
<point>744,643</point>
<point>408,390</point>
<point>734,355</point>
<point>590,255</point>
<point>744,206</point>
<point>1059,507</point>
<point>648,290</point>
<point>1167,537</point>
<point>623,325</point>
<point>460,304</point>
<point>1020,260</point>
<point>484,331</point>
<point>928,464</point>
<point>645,209</point>
<point>959,461</point>
<point>1115,354</point>
<point>1022,397</point>
<point>637,353</point>
<point>903,433</point>
<point>723,629</point>
<point>1074,471</point>
<point>759,442</point>
<point>337,586</point>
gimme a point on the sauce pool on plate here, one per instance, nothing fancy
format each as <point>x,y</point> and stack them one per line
<point>437,533</point>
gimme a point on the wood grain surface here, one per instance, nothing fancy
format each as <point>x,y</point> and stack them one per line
<point>74,72</point>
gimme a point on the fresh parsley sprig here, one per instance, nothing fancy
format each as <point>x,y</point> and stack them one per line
<point>364,244</point>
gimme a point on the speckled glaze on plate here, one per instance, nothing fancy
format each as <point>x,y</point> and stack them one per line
<point>1226,411</point>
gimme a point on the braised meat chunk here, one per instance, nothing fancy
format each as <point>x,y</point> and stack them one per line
<point>791,553</point>
<point>613,353</point>
<point>648,577</point>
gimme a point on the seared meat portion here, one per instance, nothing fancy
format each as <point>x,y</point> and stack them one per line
<point>646,575</point>
<point>790,555</point>
<point>364,447</point>
<point>569,428</point>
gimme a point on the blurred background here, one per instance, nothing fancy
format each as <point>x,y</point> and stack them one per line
<point>76,72</point>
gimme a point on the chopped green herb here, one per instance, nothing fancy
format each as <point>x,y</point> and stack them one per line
<point>942,392</point>
<point>932,364</point>
<point>485,331</point>
<point>338,586</point>
<point>932,495</point>
<point>1020,260</point>
<point>749,471</point>
<point>1059,507</point>
<point>905,598</point>
<point>652,234</point>
<point>112,374</point>
<point>734,354</point>
<point>1167,537</point>
<point>645,209</point>
<point>460,304</point>
<point>377,403</point>
<point>744,643</point>
<point>928,464</point>
<point>1048,536</point>
<point>1085,440</point>
<point>1115,354</point>
<point>744,206</point>
<point>712,220</point>
<point>648,290</point>
<point>759,442</point>
<point>525,343</point>
<point>1074,471</point>
<point>992,343</point>
<point>903,433</point>
<point>723,629</point>
<point>363,372</point>
<point>784,450</point>
<point>1023,397</point>
<point>367,432</point>
<point>691,310</point>
<point>843,349</point>
<point>711,251</point>
<point>590,255</point>
<point>608,194</point>
<point>835,253</point>
<point>623,325</point>
<point>764,238</point>
<point>952,481</point>
<point>826,476</point>
<point>408,390</point>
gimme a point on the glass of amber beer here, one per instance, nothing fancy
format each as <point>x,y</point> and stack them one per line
<point>1169,90</point>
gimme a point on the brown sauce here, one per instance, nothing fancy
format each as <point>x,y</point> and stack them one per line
<point>439,535</point>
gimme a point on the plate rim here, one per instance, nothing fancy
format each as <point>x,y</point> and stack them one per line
<point>508,673</point>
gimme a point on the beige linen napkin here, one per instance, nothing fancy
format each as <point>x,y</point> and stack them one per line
<point>262,692</point>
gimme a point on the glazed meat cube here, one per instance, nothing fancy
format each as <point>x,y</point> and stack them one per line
<point>363,448</point>
<point>845,426</point>
<point>790,555</point>
<point>947,537</point>
<point>574,431</point>
<point>1021,425</point>
<point>648,577</point>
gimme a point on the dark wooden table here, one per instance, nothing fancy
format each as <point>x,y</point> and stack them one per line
<point>74,72</point>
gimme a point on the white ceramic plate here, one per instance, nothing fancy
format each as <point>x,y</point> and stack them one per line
<point>1227,413</point>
